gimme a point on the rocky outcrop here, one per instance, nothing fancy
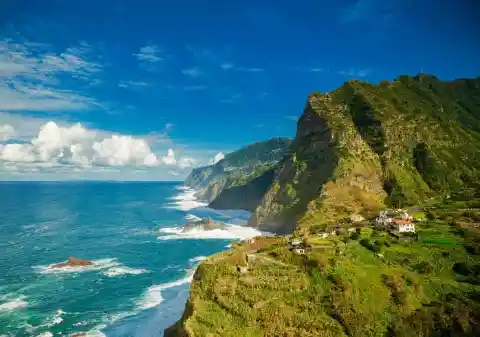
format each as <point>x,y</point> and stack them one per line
<point>201,225</point>
<point>73,262</point>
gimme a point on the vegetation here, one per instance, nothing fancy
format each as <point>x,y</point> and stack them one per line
<point>373,286</point>
<point>363,147</point>
<point>237,174</point>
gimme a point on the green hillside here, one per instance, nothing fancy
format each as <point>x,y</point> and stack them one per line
<point>363,147</point>
<point>236,170</point>
<point>369,283</point>
<point>412,143</point>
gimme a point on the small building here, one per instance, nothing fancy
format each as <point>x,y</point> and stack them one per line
<point>352,229</point>
<point>323,235</point>
<point>296,241</point>
<point>298,250</point>
<point>403,226</point>
<point>242,269</point>
<point>251,241</point>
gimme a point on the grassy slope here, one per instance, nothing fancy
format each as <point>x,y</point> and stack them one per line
<point>363,146</point>
<point>341,288</point>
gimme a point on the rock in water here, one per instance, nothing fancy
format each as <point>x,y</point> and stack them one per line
<point>73,262</point>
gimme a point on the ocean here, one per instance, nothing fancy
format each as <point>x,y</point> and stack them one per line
<point>143,262</point>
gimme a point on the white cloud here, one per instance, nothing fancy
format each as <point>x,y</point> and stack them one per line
<point>132,84</point>
<point>77,146</point>
<point>149,54</point>
<point>6,132</point>
<point>123,150</point>
<point>219,156</point>
<point>169,159</point>
<point>31,74</point>
<point>316,70</point>
<point>193,72</point>
<point>352,72</point>
<point>186,162</point>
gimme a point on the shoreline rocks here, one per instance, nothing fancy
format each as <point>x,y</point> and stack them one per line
<point>73,262</point>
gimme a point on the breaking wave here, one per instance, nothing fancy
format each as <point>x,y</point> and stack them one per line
<point>118,271</point>
<point>17,303</point>
<point>109,267</point>
<point>186,200</point>
<point>229,232</point>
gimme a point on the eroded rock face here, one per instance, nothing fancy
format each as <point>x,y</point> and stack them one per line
<point>205,224</point>
<point>73,262</point>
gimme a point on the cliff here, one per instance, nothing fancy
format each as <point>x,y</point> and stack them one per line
<point>239,170</point>
<point>411,142</point>
<point>365,146</point>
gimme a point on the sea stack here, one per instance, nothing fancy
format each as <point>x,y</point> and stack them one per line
<point>73,262</point>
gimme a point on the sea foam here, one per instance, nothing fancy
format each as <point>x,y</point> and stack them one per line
<point>229,232</point>
<point>153,295</point>
<point>118,271</point>
<point>186,200</point>
<point>17,303</point>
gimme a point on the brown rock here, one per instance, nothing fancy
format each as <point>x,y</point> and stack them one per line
<point>73,262</point>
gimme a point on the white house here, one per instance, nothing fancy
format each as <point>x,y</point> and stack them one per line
<point>403,226</point>
<point>299,251</point>
<point>296,241</point>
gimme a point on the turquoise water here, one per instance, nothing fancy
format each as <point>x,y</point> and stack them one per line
<point>143,263</point>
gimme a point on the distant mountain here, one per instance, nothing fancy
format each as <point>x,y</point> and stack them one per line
<point>238,169</point>
<point>363,146</point>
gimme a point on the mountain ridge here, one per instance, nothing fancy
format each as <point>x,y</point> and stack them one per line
<point>238,169</point>
<point>367,146</point>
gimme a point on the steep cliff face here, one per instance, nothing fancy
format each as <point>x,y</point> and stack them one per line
<point>245,196</point>
<point>238,169</point>
<point>363,146</point>
<point>330,174</point>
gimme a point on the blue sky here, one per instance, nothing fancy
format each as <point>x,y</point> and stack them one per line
<point>196,78</point>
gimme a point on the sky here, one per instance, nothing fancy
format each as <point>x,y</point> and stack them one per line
<point>146,90</point>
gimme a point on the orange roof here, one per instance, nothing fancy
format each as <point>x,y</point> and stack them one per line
<point>401,222</point>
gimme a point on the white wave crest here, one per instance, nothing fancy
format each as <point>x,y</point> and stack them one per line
<point>229,232</point>
<point>45,334</point>
<point>17,303</point>
<point>118,271</point>
<point>192,217</point>
<point>96,265</point>
<point>186,200</point>
<point>197,259</point>
<point>153,295</point>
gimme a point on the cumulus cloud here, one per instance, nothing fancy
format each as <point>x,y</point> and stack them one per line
<point>186,162</point>
<point>76,145</point>
<point>219,156</point>
<point>169,159</point>
<point>6,132</point>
